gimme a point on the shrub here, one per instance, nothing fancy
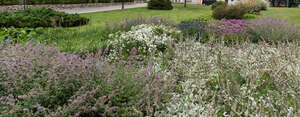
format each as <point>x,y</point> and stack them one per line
<point>227,27</point>
<point>230,31</point>
<point>230,12</point>
<point>241,80</point>
<point>126,24</point>
<point>14,36</point>
<point>38,80</point>
<point>263,4</point>
<point>194,27</point>
<point>40,17</point>
<point>273,30</point>
<point>160,4</point>
<point>217,4</point>
<point>147,40</point>
<point>253,6</point>
<point>9,2</point>
<point>250,16</point>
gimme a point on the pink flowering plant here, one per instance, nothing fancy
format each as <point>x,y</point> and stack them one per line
<point>228,29</point>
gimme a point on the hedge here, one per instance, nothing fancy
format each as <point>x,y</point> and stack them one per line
<point>12,2</point>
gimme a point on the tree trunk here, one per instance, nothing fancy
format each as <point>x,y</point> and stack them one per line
<point>185,3</point>
<point>123,6</point>
<point>25,4</point>
<point>226,1</point>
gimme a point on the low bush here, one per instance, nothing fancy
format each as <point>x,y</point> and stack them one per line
<point>252,7</point>
<point>263,4</point>
<point>16,35</point>
<point>40,17</point>
<point>250,16</point>
<point>229,31</point>
<point>217,4</point>
<point>273,30</point>
<point>38,80</point>
<point>147,40</point>
<point>9,2</point>
<point>160,4</point>
<point>194,27</point>
<point>229,12</point>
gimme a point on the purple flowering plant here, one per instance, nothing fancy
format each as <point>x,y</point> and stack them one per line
<point>228,27</point>
<point>230,31</point>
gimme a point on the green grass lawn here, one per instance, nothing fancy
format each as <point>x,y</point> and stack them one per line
<point>93,35</point>
<point>289,14</point>
<point>178,14</point>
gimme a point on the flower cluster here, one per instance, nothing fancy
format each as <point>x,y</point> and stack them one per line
<point>228,27</point>
<point>145,39</point>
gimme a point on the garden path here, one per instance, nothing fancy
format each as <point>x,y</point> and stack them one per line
<point>99,9</point>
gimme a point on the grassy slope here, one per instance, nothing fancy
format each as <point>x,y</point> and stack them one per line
<point>91,36</point>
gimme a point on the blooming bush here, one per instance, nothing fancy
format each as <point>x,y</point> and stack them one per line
<point>228,30</point>
<point>145,39</point>
<point>241,80</point>
<point>194,27</point>
<point>36,80</point>
<point>273,30</point>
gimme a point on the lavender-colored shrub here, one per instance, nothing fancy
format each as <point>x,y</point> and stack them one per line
<point>37,80</point>
<point>273,30</point>
<point>228,27</point>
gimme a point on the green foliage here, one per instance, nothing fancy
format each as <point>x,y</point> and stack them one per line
<point>229,12</point>
<point>217,4</point>
<point>195,28</point>
<point>16,35</point>
<point>40,17</point>
<point>250,16</point>
<point>262,4</point>
<point>160,4</point>
<point>9,2</point>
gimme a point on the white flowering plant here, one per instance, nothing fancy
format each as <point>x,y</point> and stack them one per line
<point>146,40</point>
<point>255,80</point>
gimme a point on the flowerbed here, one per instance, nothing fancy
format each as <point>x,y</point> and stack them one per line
<point>36,80</point>
<point>153,68</point>
<point>242,80</point>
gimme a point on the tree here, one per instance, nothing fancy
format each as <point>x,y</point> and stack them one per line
<point>25,4</point>
<point>123,2</point>
<point>185,3</point>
